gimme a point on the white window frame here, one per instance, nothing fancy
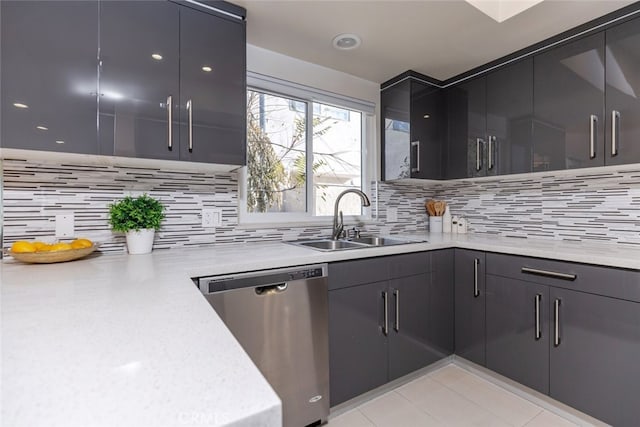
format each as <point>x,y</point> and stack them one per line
<point>278,87</point>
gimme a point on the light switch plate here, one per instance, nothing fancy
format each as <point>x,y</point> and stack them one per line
<point>211,218</point>
<point>65,225</point>
<point>392,214</point>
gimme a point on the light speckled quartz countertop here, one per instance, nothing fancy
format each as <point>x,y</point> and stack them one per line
<point>118,340</point>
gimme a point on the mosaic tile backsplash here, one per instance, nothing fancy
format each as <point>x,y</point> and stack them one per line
<point>602,206</point>
<point>33,193</point>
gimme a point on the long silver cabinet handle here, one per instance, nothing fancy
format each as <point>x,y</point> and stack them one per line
<point>417,145</point>
<point>552,274</point>
<point>538,299</point>
<point>170,122</point>
<point>490,164</point>
<point>385,326</point>
<point>615,122</point>
<point>476,290</point>
<point>190,110</point>
<point>396,294</point>
<point>478,154</point>
<point>556,321</point>
<point>593,128</point>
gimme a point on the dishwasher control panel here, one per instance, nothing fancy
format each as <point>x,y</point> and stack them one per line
<point>228,282</point>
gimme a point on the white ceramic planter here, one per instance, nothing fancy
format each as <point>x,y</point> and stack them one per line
<point>141,241</point>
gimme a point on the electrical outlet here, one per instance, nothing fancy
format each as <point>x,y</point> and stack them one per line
<point>65,225</point>
<point>392,214</point>
<point>211,218</point>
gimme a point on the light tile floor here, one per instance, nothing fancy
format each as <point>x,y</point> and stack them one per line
<point>448,397</point>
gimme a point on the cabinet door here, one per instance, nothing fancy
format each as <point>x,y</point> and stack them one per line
<point>410,346</point>
<point>49,75</point>
<point>568,130</point>
<point>623,93</point>
<point>470,305</point>
<point>466,106</point>
<point>357,344</point>
<point>396,131</point>
<point>509,114</point>
<point>518,331</point>
<point>139,79</point>
<point>440,310</point>
<point>594,366</point>
<point>427,131</point>
<point>213,94</point>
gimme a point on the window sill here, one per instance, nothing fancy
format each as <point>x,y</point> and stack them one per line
<point>316,223</point>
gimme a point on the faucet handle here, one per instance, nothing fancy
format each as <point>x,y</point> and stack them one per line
<point>353,233</point>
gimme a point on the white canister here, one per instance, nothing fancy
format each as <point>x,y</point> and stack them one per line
<point>462,225</point>
<point>454,224</point>
<point>435,224</point>
<point>446,221</point>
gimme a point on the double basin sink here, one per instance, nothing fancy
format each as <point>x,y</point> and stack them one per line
<point>355,243</point>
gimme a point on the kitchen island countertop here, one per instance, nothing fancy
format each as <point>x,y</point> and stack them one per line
<point>123,340</point>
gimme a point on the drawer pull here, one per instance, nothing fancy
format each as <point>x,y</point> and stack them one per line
<point>552,274</point>
<point>476,291</point>
<point>537,310</point>
<point>556,321</point>
<point>385,326</point>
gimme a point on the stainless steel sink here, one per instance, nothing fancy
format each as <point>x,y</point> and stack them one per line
<point>358,243</point>
<point>379,241</point>
<point>329,245</point>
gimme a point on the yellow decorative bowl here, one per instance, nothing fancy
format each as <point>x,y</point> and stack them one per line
<point>49,257</point>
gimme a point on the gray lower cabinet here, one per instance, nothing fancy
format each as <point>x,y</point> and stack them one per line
<point>594,362</point>
<point>518,331</point>
<point>387,319</point>
<point>568,330</point>
<point>357,345</point>
<point>470,305</point>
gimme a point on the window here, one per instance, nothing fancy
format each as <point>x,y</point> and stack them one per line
<point>295,136</point>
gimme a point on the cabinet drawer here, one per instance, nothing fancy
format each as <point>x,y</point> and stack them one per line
<point>607,281</point>
<point>350,273</point>
<point>409,264</point>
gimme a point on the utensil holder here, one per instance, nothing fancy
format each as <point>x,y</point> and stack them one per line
<point>435,224</point>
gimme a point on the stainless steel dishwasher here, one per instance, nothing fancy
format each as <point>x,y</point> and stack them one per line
<point>280,317</point>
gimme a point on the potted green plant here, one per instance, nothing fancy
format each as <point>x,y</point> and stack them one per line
<point>139,218</point>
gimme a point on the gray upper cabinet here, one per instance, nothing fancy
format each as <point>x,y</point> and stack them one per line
<point>212,88</point>
<point>49,79</point>
<point>470,297</point>
<point>162,80</point>
<point>594,355</point>
<point>413,134</point>
<point>467,124</point>
<point>490,123</point>
<point>509,119</point>
<point>569,123</point>
<point>172,83</point>
<point>139,79</point>
<point>623,93</point>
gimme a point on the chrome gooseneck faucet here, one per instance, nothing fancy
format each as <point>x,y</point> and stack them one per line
<point>338,225</point>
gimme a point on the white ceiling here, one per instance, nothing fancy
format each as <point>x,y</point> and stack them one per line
<point>438,38</point>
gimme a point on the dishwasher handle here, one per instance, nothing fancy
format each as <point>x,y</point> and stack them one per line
<point>271,289</point>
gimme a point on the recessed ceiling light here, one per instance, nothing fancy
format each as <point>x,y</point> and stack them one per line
<point>40,127</point>
<point>156,56</point>
<point>346,41</point>
<point>207,69</point>
<point>59,141</point>
<point>20,105</point>
<point>426,116</point>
